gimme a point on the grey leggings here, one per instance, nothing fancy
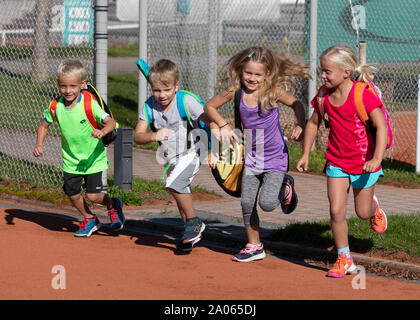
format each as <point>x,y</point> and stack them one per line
<point>270,184</point>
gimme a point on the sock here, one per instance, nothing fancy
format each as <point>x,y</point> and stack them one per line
<point>345,250</point>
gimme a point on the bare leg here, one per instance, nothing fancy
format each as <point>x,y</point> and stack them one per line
<point>338,189</point>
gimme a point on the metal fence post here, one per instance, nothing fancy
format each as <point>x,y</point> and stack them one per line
<point>100,65</point>
<point>418,128</point>
<point>142,83</point>
<point>123,158</point>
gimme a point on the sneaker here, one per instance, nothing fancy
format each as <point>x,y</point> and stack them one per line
<point>116,215</point>
<point>378,221</point>
<point>250,253</point>
<point>342,266</point>
<point>87,227</point>
<point>290,199</point>
<point>194,227</point>
<point>186,247</point>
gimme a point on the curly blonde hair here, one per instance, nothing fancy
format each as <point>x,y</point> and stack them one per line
<point>281,69</point>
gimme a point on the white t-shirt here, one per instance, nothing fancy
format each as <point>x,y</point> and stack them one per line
<point>176,145</point>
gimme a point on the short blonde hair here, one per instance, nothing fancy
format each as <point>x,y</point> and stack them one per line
<point>165,72</point>
<point>70,67</point>
<point>346,58</point>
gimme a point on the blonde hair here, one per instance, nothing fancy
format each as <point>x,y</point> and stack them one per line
<point>70,67</point>
<point>281,69</point>
<point>165,72</point>
<point>346,59</point>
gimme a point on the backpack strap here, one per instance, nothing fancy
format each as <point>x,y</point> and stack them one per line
<point>182,106</point>
<point>237,103</point>
<point>87,106</point>
<point>358,100</point>
<point>148,113</point>
<point>322,93</point>
<point>52,108</point>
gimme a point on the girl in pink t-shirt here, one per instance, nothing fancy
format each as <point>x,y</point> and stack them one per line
<point>353,156</point>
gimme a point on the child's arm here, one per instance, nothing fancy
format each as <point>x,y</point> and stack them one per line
<point>109,125</point>
<point>309,138</point>
<point>210,109</point>
<point>40,137</point>
<point>141,136</point>
<point>379,123</point>
<point>297,106</point>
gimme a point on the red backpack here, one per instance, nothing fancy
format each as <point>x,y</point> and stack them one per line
<point>360,107</point>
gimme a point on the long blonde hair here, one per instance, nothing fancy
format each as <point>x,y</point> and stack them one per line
<point>346,58</point>
<point>281,70</point>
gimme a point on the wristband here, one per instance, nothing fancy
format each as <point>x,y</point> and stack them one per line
<point>224,125</point>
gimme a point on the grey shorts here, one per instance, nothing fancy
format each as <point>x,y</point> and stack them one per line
<point>181,174</point>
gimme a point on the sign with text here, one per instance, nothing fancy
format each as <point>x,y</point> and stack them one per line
<point>78,22</point>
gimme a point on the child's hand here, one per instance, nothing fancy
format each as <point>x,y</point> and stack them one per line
<point>162,134</point>
<point>38,151</point>
<point>212,159</point>
<point>371,165</point>
<point>303,161</point>
<point>297,133</point>
<point>98,134</point>
<point>228,135</point>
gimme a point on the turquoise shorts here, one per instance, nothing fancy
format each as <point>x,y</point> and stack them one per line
<point>358,181</point>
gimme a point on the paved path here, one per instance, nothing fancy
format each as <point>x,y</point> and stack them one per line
<point>311,190</point>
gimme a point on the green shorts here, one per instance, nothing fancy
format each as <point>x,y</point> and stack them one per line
<point>358,181</point>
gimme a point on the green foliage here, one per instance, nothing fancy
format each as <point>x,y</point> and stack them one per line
<point>403,234</point>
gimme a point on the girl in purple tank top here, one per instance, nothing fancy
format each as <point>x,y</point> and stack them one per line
<point>260,73</point>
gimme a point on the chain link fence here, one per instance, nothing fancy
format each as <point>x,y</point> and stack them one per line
<point>200,36</point>
<point>35,36</point>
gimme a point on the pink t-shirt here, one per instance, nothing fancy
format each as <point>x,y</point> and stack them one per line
<point>349,144</point>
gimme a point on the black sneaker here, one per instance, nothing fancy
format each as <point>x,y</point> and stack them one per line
<point>289,200</point>
<point>250,253</point>
<point>194,227</point>
<point>186,247</point>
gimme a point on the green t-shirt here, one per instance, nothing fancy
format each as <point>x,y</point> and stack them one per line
<point>82,153</point>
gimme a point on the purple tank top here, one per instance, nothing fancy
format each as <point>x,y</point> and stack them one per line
<point>265,148</point>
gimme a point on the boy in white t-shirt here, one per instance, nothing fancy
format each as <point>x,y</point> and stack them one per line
<point>168,128</point>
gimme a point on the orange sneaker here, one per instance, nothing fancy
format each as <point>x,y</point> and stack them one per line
<point>342,266</point>
<point>378,221</point>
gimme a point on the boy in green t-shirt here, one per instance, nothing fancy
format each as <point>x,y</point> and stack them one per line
<point>84,156</point>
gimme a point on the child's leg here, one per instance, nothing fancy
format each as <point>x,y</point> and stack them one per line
<point>80,204</point>
<point>249,192</point>
<point>270,196</point>
<point>338,189</point>
<point>72,187</point>
<point>184,204</point>
<point>364,205</point>
<point>100,198</point>
<point>114,206</point>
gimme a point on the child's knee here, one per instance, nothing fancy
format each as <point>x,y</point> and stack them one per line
<point>365,212</point>
<point>268,205</point>
<point>95,197</point>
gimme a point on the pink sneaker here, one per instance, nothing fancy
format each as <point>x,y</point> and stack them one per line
<point>250,253</point>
